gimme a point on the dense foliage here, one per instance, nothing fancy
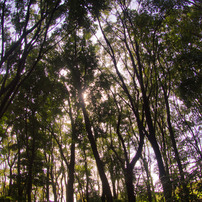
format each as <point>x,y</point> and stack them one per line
<point>100,100</point>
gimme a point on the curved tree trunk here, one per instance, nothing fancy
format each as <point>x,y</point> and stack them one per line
<point>105,183</point>
<point>138,71</point>
<point>185,195</point>
<point>165,180</point>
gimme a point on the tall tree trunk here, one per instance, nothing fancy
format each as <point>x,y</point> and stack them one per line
<point>47,183</point>
<point>30,178</point>
<point>185,195</point>
<point>30,168</point>
<point>11,182</point>
<point>149,193</point>
<point>164,149</point>
<point>138,70</point>
<point>70,189</point>
<point>53,183</point>
<point>165,180</point>
<point>128,171</point>
<point>129,184</point>
<point>87,177</point>
<point>113,185</point>
<point>105,183</point>
<point>71,167</point>
<point>19,183</point>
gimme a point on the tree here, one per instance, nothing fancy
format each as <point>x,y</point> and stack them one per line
<point>99,120</point>
<point>81,64</point>
<point>22,48</point>
<point>138,68</point>
<point>34,31</point>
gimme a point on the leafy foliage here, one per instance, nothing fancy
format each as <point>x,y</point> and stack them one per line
<point>117,118</point>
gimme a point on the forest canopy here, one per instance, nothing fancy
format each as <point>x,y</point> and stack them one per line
<point>100,100</point>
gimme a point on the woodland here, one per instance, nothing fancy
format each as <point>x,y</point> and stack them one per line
<point>100,100</point>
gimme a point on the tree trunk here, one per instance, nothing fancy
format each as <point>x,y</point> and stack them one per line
<point>105,183</point>
<point>70,189</point>
<point>113,186</point>
<point>87,177</point>
<point>11,182</point>
<point>71,167</point>
<point>129,184</point>
<point>20,190</point>
<point>30,170</point>
<point>145,164</point>
<point>47,180</point>
<point>165,180</point>
<point>138,71</point>
<point>53,182</point>
<point>185,195</point>
<point>30,179</point>
<point>164,149</point>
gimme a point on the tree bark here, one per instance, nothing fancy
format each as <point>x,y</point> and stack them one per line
<point>70,188</point>
<point>185,195</point>
<point>128,171</point>
<point>53,183</point>
<point>113,185</point>
<point>100,166</point>
<point>47,179</point>
<point>87,177</point>
<point>145,164</point>
<point>129,184</point>
<point>165,180</point>
<point>19,180</point>
<point>31,158</point>
<point>71,166</point>
<point>138,70</point>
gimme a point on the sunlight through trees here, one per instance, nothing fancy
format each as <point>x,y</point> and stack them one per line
<point>100,100</point>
